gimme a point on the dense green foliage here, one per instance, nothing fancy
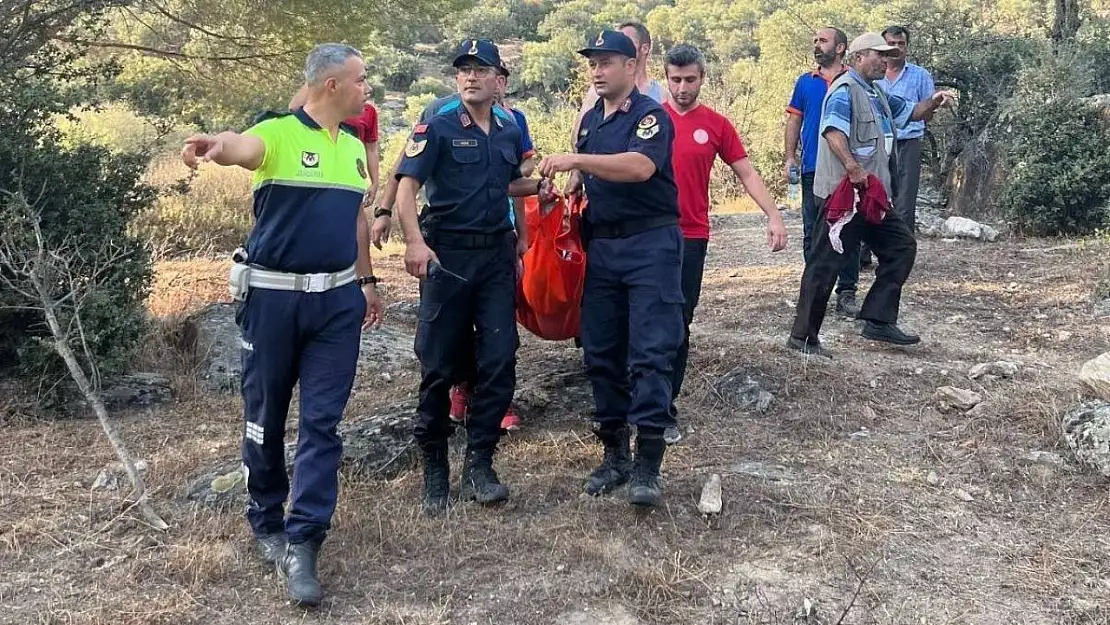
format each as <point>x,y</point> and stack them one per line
<point>83,198</point>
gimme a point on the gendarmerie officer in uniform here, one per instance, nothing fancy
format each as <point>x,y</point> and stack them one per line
<point>464,251</point>
<point>632,322</point>
<point>306,288</point>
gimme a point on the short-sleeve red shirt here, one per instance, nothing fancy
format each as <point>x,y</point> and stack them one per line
<point>365,124</point>
<point>700,136</point>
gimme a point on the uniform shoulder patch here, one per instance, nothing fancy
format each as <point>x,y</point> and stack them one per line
<point>414,148</point>
<point>648,121</point>
<point>647,133</point>
<point>420,129</point>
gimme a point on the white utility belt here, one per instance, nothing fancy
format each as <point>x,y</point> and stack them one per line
<point>243,276</point>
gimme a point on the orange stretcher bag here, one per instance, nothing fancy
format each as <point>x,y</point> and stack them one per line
<point>549,297</point>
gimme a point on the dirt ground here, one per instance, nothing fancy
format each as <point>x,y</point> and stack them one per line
<point>852,494</point>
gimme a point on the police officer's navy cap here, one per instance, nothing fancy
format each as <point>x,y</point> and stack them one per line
<point>482,50</point>
<point>609,41</point>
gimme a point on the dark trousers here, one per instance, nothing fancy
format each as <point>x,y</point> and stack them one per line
<point>467,331</point>
<point>893,244</point>
<point>849,274</point>
<point>909,181</point>
<point>693,266</point>
<point>290,337</point>
<point>632,326</point>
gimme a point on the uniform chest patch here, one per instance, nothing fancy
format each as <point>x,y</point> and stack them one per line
<point>415,148</point>
<point>310,159</point>
<point>464,143</point>
<point>701,136</point>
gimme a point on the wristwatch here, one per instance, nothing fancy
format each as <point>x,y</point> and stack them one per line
<point>364,280</point>
<point>382,211</point>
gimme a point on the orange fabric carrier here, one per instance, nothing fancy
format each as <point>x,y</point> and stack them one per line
<point>549,297</point>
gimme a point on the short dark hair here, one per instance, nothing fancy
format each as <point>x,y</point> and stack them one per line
<point>685,54</point>
<point>896,31</point>
<point>641,31</point>
<point>840,38</point>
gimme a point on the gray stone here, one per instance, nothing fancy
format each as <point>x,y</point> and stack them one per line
<point>743,389</point>
<point>403,310</point>
<point>952,398</point>
<point>219,345</point>
<point>965,228</point>
<point>1095,374</point>
<point>771,472</point>
<point>998,369</point>
<point>138,389</point>
<point>381,444</point>
<point>1045,457</point>
<point>1086,431</point>
<point>105,480</point>
<point>710,501</point>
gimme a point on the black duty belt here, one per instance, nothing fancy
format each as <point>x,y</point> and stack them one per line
<point>630,227</point>
<point>468,240</point>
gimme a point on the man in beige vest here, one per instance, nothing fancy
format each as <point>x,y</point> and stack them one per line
<point>859,138</point>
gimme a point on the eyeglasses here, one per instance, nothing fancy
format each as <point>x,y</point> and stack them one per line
<point>480,71</point>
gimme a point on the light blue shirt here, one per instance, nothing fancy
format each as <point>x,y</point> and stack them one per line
<point>838,113</point>
<point>914,85</point>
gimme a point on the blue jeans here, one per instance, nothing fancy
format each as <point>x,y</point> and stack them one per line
<point>849,275</point>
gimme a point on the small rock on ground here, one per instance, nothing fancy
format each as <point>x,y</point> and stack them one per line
<point>998,369</point>
<point>710,502</point>
<point>952,398</point>
<point>1086,431</point>
<point>1095,374</point>
<point>964,228</point>
<point>743,389</point>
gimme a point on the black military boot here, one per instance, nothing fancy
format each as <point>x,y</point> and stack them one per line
<point>616,464</point>
<point>645,489</point>
<point>888,333</point>
<point>271,546</point>
<point>479,481</point>
<point>846,304</point>
<point>437,478</point>
<point>298,569</point>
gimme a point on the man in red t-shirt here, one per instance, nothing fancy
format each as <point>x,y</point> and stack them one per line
<point>700,136</point>
<point>365,126</point>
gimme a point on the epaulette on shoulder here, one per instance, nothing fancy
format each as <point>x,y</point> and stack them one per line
<point>264,115</point>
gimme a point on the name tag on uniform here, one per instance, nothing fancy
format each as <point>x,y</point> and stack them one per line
<point>464,143</point>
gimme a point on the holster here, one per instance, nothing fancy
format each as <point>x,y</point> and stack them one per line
<point>239,276</point>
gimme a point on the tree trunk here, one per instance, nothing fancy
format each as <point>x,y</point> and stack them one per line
<point>1065,23</point>
<point>94,399</point>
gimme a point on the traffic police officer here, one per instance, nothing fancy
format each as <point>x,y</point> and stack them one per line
<point>632,321</point>
<point>305,286</point>
<point>463,250</point>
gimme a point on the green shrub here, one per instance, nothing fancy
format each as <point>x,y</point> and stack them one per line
<point>84,197</point>
<point>431,85</point>
<point>397,69</point>
<point>1059,168</point>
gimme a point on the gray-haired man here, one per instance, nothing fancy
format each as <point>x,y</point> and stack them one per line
<point>858,142</point>
<point>306,288</point>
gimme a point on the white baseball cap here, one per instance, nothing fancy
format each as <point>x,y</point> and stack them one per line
<point>870,41</point>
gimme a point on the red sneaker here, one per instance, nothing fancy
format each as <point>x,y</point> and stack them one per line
<point>460,403</point>
<point>511,421</point>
